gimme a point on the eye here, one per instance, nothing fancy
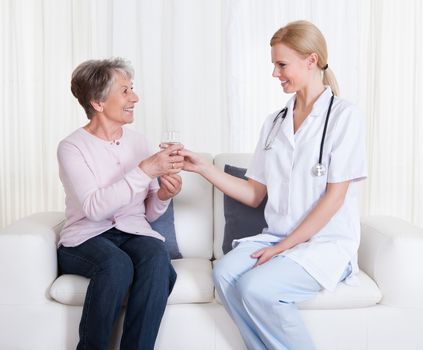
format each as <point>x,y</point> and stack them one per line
<point>281,65</point>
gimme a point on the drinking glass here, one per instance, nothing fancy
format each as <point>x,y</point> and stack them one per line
<point>170,137</point>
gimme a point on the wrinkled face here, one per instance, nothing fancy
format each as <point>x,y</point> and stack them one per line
<point>119,104</point>
<point>290,68</point>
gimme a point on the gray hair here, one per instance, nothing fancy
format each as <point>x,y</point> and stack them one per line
<point>93,79</point>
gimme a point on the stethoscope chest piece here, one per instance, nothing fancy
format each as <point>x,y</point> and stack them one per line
<point>319,169</point>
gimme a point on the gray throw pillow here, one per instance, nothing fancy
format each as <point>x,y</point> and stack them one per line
<point>165,225</point>
<point>240,220</point>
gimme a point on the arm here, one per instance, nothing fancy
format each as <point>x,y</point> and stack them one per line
<point>99,203</point>
<point>391,254</point>
<point>158,198</point>
<point>319,216</point>
<point>249,192</point>
<point>79,180</point>
<point>28,258</point>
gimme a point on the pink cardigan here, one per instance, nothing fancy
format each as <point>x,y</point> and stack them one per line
<point>105,188</point>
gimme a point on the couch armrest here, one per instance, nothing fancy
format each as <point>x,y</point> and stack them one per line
<point>391,253</point>
<point>28,258</point>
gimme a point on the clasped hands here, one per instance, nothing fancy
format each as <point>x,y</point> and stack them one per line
<point>165,164</point>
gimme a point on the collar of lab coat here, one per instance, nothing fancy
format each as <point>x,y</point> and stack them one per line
<point>321,105</point>
<point>319,109</point>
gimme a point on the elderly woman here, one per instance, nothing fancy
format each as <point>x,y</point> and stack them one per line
<point>112,193</point>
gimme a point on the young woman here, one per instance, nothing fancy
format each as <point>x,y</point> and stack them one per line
<point>309,158</point>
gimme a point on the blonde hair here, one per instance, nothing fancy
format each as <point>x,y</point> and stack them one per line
<point>305,38</point>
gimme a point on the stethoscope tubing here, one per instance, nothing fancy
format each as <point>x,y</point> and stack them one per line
<point>320,169</point>
<point>322,142</point>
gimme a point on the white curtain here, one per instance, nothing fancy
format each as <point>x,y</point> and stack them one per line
<point>391,94</point>
<point>203,67</point>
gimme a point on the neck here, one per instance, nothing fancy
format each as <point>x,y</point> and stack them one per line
<point>104,130</point>
<point>306,97</point>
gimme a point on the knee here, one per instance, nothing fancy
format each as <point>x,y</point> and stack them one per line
<point>252,289</point>
<point>118,270</point>
<point>155,254</point>
<point>155,261</point>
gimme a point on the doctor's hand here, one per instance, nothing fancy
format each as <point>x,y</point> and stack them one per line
<point>170,186</point>
<point>193,162</point>
<point>265,254</point>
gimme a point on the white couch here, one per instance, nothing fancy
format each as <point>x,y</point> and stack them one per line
<point>41,311</point>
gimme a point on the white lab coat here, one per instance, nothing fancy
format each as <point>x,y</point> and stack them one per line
<point>293,190</point>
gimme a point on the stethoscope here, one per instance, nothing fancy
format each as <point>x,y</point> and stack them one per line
<point>319,169</point>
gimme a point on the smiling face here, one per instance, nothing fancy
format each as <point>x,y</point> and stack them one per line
<point>290,68</point>
<point>118,107</point>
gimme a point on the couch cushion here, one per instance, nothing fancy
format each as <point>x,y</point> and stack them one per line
<point>241,160</point>
<point>240,220</point>
<point>165,225</point>
<point>364,294</point>
<point>193,285</point>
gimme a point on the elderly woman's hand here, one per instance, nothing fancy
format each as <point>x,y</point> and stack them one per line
<point>165,162</point>
<point>170,186</point>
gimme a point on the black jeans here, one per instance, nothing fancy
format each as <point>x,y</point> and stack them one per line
<point>118,263</point>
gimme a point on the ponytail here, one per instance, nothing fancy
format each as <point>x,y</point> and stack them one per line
<point>329,79</point>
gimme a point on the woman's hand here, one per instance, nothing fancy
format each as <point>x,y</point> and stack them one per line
<point>170,186</point>
<point>193,162</point>
<point>165,162</point>
<point>265,254</point>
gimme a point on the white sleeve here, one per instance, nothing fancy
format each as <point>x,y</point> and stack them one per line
<point>348,153</point>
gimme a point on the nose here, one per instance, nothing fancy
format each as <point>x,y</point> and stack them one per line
<point>276,73</point>
<point>134,97</point>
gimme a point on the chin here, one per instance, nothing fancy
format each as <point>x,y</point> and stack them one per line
<point>289,89</point>
<point>128,120</point>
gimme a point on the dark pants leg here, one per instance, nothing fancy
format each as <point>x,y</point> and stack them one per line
<point>112,270</point>
<point>154,278</point>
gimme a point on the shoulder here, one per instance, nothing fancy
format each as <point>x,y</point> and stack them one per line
<point>73,139</point>
<point>74,136</point>
<point>70,146</point>
<point>345,112</point>
<point>342,108</point>
<point>347,121</point>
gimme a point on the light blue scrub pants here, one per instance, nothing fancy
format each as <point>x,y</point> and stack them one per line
<point>262,300</point>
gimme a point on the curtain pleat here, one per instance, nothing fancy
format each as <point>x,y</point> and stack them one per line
<point>204,68</point>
